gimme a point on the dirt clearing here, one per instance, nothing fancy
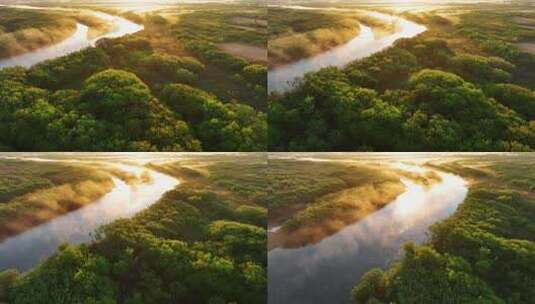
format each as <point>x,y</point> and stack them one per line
<point>249,52</point>
<point>528,47</point>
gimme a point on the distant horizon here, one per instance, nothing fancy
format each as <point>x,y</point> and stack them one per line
<point>137,2</point>
<point>267,2</point>
<point>407,2</point>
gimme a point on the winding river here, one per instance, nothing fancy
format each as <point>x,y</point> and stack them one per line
<point>326,272</point>
<point>25,250</point>
<point>283,78</point>
<point>76,42</point>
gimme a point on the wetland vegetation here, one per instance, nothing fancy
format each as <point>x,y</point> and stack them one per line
<point>32,193</point>
<point>295,34</point>
<point>23,30</point>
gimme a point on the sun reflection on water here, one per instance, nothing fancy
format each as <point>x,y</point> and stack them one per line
<point>300,275</point>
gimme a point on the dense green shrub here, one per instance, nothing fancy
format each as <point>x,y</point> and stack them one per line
<point>520,99</point>
<point>252,215</point>
<point>73,68</point>
<point>256,73</point>
<point>221,127</point>
<point>482,69</point>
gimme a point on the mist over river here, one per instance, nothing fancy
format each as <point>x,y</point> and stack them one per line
<point>282,79</point>
<point>27,249</point>
<point>77,41</point>
<point>326,272</point>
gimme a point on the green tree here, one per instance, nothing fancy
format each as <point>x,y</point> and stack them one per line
<point>70,69</point>
<point>256,74</point>
<point>371,286</point>
<point>480,69</point>
<point>74,275</point>
<point>520,99</point>
<point>107,94</point>
<point>252,215</point>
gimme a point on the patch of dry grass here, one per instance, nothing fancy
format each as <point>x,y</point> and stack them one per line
<point>22,31</point>
<point>26,40</point>
<point>248,52</point>
<point>298,34</point>
<point>68,188</point>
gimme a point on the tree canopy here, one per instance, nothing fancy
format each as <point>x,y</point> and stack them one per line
<point>112,98</point>
<point>189,247</point>
<point>418,95</point>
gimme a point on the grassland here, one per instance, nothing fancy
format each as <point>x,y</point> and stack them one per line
<point>502,31</point>
<point>23,30</point>
<point>224,24</point>
<point>225,37</point>
<point>296,33</point>
<point>484,252</point>
<point>33,192</point>
<point>241,182</point>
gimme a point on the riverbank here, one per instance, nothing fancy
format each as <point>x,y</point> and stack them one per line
<point>297,32</point>
<point>134,188</point>
<point>308,217</point>
<point>332,213</point>
<point>35,193</point>
<point>26,29</point>
<point>191,239</point>
<point>487,243</point>
<point>369,41</point>
<point>90,26</point>
<point>22,30</point>
<point>334,263</point>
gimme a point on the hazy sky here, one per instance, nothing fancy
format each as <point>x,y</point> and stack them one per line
<point>405,1</point>
<point>266,1</point>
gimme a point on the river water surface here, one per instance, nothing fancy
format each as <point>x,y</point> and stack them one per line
<point>76,42</point>
<point>25,250</point>
<point>282,79</point>
<point>326,272</point>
